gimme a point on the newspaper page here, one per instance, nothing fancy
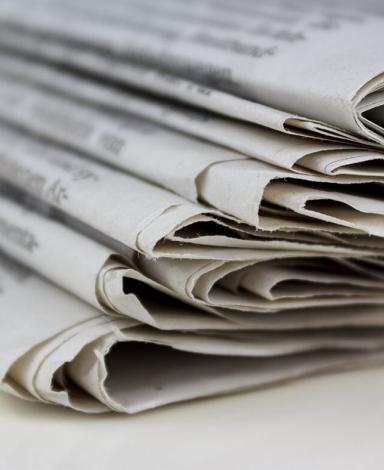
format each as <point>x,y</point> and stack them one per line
<point>258,142</point>
<point>317,202</point>
<point>202,222</point>
<point>55,111</point>
<point>261,281</point>
<point>70,355</point>
<point>239,50</point>
<point>108,282</point>
<point>107,67</point>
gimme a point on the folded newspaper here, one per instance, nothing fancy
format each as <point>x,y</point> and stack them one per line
<point>190,197</point>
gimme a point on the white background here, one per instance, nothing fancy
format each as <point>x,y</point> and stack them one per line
<point>331,422</point>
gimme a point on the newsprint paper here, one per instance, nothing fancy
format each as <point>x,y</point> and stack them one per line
<point>191,197</point>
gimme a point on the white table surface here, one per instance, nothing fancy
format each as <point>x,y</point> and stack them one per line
<point>330,422</point>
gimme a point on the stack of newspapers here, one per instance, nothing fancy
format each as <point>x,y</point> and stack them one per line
<point>192,197</point>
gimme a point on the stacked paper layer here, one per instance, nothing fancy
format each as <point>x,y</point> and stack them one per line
<point>191,197</point>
